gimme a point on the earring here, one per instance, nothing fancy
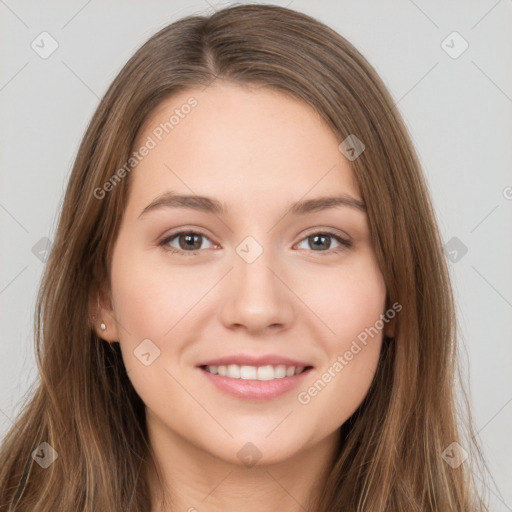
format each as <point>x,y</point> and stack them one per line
<point>103,327</point>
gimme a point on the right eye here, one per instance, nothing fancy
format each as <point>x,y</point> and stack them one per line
<point>188,242</point>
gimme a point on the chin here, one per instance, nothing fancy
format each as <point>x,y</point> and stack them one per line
<point>256,451</point>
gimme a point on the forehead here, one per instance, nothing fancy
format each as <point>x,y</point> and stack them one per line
<point>240,144</point>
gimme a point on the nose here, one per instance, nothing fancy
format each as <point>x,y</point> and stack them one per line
<point>257,297</point>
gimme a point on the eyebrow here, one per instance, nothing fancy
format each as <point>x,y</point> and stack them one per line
<point>210,205</point>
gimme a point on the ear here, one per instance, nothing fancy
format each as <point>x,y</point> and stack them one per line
<point>102,312</point>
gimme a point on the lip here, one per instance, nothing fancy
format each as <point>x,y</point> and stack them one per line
<point>249,360</point>
<point>255,389</point>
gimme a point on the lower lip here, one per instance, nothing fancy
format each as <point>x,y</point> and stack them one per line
<point>255,389</point>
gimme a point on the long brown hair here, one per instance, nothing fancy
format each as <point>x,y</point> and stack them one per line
<point>84,406</point>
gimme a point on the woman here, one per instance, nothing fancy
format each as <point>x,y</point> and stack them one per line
<point>302,355</point>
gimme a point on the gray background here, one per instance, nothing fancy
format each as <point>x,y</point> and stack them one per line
<point>458,111</point>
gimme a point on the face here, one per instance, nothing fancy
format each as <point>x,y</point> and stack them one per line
<point>251,288</point>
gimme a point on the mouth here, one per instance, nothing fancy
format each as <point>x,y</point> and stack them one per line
<point>254,383</point>
<point>260,373</point>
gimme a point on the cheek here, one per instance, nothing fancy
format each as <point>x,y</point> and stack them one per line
<point>149,298</point>
<point>349,300</point>
<point>352,309</point>
<point>151,303</point>
<point>136,295</point>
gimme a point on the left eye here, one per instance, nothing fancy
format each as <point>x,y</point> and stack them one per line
<point>318,241</point>
<point>191,242</point>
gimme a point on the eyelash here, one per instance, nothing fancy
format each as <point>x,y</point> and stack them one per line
<point>345,244</point>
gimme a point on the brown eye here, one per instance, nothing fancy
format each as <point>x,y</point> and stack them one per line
<point>188,242</point>
<point>322,243</point>
<point>319,241</point>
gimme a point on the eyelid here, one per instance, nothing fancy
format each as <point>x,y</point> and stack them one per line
<point>327,231</point>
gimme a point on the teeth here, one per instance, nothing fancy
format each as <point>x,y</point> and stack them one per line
<point>233,371</point>
<point>248,372</point>
<point>269,372</point>
<point>265,373</point>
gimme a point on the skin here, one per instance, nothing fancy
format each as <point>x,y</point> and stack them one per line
<point>258,151</point>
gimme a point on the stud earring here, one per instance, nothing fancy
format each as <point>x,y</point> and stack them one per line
<point>103,327</point>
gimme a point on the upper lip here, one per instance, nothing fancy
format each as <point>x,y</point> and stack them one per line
<point>248,360</point>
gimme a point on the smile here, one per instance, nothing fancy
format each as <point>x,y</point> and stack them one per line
<point>267,372</point>
<point>255,383</point>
